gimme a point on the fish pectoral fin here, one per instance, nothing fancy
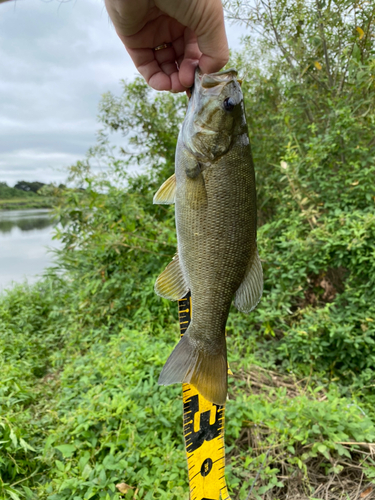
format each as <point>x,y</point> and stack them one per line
<point>206,371</point>
<point>166,194</point>
<point>171,283</point>
<point>196,193</point>
<point>250,291</point>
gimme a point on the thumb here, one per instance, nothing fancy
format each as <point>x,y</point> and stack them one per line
<point>205,18</point>
<point>211,38</point>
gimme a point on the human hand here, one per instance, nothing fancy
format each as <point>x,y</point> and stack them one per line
<point>185,33</point>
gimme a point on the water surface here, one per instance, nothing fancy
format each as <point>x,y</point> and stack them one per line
<point>24,236</point>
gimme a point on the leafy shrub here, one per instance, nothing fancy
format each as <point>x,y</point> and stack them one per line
<point>81,349</point>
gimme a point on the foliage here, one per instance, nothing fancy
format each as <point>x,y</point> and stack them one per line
<point>317,77</point>
<point>84,411</point>
<point>26,203</point>
<point>29,186</point>
<point>7,192</point>
<point>295,438</point>
<point>14,198</point>
<point>312,122</point>
<point>80,407</point>
<point>27,336</point>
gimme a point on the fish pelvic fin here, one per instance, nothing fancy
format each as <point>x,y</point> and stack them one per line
<point>171,283</point>
<point>166,194</point>
<point>207,371</point>
<point>250,291</point>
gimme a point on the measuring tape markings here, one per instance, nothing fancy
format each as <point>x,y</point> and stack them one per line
<point>203,433</point>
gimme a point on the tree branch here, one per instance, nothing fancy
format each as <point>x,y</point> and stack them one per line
<point>326,57</point>
<point>278,38</point>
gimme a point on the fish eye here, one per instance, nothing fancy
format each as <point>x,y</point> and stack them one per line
<point>228,104</point>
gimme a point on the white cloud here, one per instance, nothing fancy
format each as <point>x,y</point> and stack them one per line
<point>56,60</point>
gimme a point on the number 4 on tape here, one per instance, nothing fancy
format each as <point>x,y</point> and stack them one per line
<point>204,434</point>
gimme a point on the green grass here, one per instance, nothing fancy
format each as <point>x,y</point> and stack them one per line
<point>25,203</point>
<point>81,411</point>
<point>81,350</point>
<point>14,199</point>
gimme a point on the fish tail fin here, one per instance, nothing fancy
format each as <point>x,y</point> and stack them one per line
<point>206,370</point>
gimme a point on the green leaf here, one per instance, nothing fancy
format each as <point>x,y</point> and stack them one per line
<point>25,445</point>
<point>12,493</point>
<point>60,466</point>
<point>66,449</point>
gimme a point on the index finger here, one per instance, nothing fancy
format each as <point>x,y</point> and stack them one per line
<point>159,71</point>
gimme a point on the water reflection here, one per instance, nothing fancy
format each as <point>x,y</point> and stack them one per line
<point>24,237</point>
<point>26,220</point>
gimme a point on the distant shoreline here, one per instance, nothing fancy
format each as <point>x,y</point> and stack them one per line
<point>27,195</point>
<point>25,203</point>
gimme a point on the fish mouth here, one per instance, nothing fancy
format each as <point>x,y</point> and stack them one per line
<point>222,77</point>
<point>208,84</point>
<point>211,80</point>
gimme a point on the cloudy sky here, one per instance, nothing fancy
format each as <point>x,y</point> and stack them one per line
<point>56,59</point>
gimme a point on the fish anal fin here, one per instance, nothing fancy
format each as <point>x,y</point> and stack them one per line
<point>171,283</point>
<point>207,371</point>
<point>250,291</point>
<point>166,194</point>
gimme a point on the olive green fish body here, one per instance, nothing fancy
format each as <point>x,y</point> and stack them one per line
<point>217,240</point>
<point>215,202</point>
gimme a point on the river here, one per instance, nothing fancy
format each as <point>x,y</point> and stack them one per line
<point>24,238</point>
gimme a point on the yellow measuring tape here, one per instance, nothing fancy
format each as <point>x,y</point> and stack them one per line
<point>204,434</point>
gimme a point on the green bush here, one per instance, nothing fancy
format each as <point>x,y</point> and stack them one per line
<point>81,350</point>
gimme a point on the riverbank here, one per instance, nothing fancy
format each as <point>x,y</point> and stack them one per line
<point>83,350</point>
<point>26,203</point>
<point>85,412</point>
<point>25,195</point>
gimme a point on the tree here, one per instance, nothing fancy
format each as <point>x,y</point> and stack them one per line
<point>310,85</point>
<point>29,186</point>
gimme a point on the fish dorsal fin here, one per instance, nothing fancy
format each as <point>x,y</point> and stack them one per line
<point>250,291</point>
<point>166,194</point>
<point>171,283</point>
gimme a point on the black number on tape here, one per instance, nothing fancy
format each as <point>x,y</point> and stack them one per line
<point>206,467</point>
<point>207,431</point>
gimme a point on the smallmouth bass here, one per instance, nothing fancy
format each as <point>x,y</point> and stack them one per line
<point>213,189</point>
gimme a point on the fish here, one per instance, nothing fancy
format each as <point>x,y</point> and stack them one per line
<point>213,189</point>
